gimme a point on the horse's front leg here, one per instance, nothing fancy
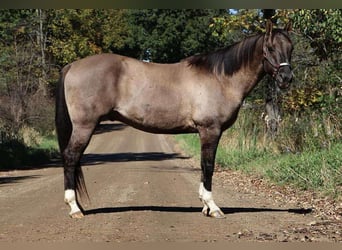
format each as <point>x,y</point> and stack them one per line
<point>209,140</point>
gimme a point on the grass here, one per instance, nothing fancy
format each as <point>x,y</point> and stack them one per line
<point>48,143</point>
<point>15,154</point>
<point>317,170</point>
<point>314,168</point>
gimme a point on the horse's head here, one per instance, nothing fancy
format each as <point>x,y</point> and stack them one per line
<point>277,49</point>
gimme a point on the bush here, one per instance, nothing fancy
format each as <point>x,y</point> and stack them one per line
<point>14,154</point>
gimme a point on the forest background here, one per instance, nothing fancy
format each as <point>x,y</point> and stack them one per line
<point>290,137</point>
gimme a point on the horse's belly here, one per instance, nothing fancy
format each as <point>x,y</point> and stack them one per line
<point>157,120</point>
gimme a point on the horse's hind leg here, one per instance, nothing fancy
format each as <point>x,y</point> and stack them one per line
<point>73,177</point>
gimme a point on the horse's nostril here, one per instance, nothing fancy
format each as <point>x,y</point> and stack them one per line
<point>291,78</point>
<point>286,77</point>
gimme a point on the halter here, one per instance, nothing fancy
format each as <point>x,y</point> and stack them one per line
<point>276,66</point>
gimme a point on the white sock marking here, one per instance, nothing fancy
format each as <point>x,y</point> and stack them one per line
<point>200,191</point>
<point>207,199</point>
<point>70,199</point>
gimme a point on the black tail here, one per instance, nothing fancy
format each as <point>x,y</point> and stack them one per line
<point>64,130</point>
<point>62,118</point>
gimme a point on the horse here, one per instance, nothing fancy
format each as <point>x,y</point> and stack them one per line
<point>200,94</point>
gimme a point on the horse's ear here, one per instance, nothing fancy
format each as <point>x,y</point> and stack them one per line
<point>269,27</point>
<point>268,35</point>
<point>288,26</point>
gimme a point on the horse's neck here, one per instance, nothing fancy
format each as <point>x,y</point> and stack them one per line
<point>249,75</point>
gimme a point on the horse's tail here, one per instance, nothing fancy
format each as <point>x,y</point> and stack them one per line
<point>64,129</point>
<point>62,118</point>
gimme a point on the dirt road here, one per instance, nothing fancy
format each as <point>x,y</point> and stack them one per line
<point>142,190</point>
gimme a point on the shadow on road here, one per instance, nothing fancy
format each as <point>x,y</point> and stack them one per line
<point>94,159</point>
<point>226,210</point>
<point>16,179</point>
<point>108,127</point>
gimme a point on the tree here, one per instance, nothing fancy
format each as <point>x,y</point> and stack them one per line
<point>24,69</point>
<point>318,56</point>
<point>244,22</point>
<point>170,35</point>
<point>322,27</point>
<point>75,34</point>
<point>160,35</point>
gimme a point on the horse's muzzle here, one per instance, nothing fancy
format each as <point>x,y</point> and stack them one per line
<point>284,77</point>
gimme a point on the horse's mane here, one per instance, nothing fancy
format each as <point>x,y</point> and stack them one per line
<point>230,59</point>
<point>227,60</point>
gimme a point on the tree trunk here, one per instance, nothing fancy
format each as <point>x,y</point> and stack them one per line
<point>273,117</point>
<point>41,42</point>
<point>272,110</point>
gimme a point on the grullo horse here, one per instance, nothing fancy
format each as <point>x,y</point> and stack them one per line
<point>200,94</point>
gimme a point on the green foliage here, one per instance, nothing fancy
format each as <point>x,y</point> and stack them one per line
<point>243,22</point>
<point>170,35</point>
<point>75,34</point>
<point>160,35</point>
<point>14,22</point>
<point>300,99</point>
<point>322,27</point>
<point>233,27</point>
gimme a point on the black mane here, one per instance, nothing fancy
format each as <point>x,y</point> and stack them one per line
<point>230,59</point>
<point>227,60</point>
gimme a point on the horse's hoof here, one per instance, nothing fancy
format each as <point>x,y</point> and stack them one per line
<point>77,215</point>
<point>205,211</point>
<point>218,214</point>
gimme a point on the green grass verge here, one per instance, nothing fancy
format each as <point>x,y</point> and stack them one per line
<point>318,170</point>
<point>16,155</point>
